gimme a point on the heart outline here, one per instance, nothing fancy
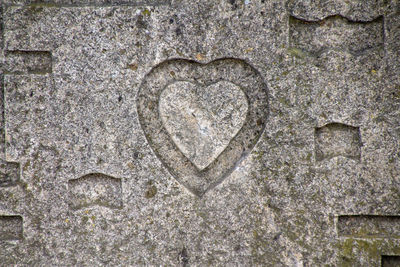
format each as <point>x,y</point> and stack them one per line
<point>236,71</point>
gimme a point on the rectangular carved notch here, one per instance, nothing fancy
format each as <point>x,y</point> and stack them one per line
<point>390,261</point>
<point>335,32</point>
<point>1,27</point>
<point>369,226</point>
<point>95,189</point>
<point>28,62</point>
<point>10,227</point>
<point>336,139</point>
<point>2,120</point>
<point>9,173</point>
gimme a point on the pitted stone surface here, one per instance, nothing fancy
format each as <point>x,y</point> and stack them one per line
<point>336,31</point>
<point>95,189</point>
<point>203,120</point>
<point>357,10</point>
<point>173,146</point>
<point>97,147</point>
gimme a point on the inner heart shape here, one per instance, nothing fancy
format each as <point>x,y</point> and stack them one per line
<point>202,120</point>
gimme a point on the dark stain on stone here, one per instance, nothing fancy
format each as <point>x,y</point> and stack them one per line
<point>183,257</point>
<point>390,261</point>
<point>151,191</point>
<point>233,3</point>
<point>141,23</point>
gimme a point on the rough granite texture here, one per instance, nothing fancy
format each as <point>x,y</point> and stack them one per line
<point>200,133</point>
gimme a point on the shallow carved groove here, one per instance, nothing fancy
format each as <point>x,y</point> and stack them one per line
<point>390,261</point>
<point>93,3</point>
<point>356,10</point>
<point>9,173</point>
<point>2,118</point>
<point>11,227</point>
<point>336,139</point>
<point>28,62</point>
<point>369,226</point>
<point>336,32</point>
<point>95,189</point>
<point>230,129</point>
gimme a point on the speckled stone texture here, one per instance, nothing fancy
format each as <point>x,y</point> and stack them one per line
<point>200,133</point>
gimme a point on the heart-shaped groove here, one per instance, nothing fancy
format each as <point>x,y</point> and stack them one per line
<point>204,172</point>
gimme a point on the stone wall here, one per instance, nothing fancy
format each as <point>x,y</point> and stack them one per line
<point>200,133</point>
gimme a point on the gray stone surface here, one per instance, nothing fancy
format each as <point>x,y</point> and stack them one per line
<point>202,120</point>
<point>209,133</point>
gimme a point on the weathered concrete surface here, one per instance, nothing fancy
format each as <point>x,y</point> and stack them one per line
<point>214,133</point>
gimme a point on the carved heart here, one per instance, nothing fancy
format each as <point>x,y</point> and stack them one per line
<point>201,120</point>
